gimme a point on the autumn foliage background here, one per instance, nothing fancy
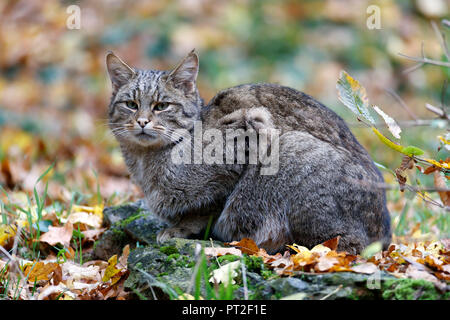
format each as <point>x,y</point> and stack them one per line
<point>54,89</point>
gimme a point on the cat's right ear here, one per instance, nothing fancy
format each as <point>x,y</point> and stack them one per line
<point>119,72</point>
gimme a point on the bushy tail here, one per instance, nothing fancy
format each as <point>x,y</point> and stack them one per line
<point>386,231</point>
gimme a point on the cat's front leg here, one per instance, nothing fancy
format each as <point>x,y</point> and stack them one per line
<point>187,227</point>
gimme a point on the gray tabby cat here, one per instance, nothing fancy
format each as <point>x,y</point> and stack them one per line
<point>326,184</point>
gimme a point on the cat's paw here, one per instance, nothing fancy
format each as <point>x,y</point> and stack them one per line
<point>170,233</point>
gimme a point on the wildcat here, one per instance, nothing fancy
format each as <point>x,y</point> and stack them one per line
<point>326,184</point>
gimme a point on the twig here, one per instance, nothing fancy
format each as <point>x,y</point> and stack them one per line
<point>446,23</point>
<point>420,191</point>
<point>412,123</point>
<point>244,280</point>
<point>212,245</point>
<point>413,68</point>
<point>436,110</point>
<point>426,60</point>
<point>332,292</point>
<point>402,103</point>
<point>441,38</point>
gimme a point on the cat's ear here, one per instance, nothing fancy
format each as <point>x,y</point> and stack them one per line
<point>185,74</point>
<point>119,72</point>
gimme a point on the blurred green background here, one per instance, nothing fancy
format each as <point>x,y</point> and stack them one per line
<point>54,88</point>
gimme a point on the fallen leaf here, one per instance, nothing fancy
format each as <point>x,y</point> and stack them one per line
<point>325,263</point>
<point>86,218</point>
<point>217,252</point>
<point>40,271</point>
<point>366,268</point>
<point>93,234</point>
<point>56,235</point>
<point>332,243</point>
<point>7,233</point>
<point>246,245</point>
<point>77,272</point>
<point>439,183</point>
<point>226,273</point>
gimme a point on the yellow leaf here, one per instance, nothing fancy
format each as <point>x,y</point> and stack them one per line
<point>7,232</point>
<point>187,296</point>
<point>386,141</point>
<point>98,210</point>
<point>40,271</point>
<point>86,218</point>
<point>445,141</point>
<point>299,249</point>
<point>111,269</point>
<point>443,164</point>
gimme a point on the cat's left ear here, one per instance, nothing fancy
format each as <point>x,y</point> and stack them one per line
<point>185,74</point>
<point>119,72</point>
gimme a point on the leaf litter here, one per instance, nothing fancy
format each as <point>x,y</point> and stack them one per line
<point>427,260</point>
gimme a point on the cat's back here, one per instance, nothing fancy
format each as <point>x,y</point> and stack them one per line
<point>288,110</point>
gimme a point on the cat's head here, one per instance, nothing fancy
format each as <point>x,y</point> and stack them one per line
<point>148,106</point>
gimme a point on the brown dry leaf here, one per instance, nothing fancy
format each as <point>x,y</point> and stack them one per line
<point>75,272</point>
<point>414,273</point>
<point>332,243</point>
<point>122,264</point>
<point>217,252</point>
<point>246,245</point>
<point>325,263</point>
<point>439,183</point>
<point>93,234</point>
<point>56,289</point>
<point>282,261</point>
<point>69,253</point>
<point>366,268</point>
<point>40,271</point>
<point>56,235</point>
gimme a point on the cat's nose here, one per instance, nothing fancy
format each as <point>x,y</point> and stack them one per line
<point>142,122</point>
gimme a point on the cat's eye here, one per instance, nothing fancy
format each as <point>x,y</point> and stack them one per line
<point>160,106</point>
<point>131,105</point>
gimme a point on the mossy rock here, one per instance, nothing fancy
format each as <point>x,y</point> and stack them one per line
<point>128,224</point>
<point>410,289</point>
<point>168,270</point>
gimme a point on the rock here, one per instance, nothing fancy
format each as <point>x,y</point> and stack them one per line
<point>288,286</point>
<point>113,215</point>
<point>127,224</point>
<point>168,270</point>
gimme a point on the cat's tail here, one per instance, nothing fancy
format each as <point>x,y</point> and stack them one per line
<point>386,235</point>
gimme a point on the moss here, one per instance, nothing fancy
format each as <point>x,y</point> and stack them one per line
<point>227,257</point>
<point>130,219</point>
<point>256,264</point>
<point>168,250</point>
<point>173,256</point>
<point>183,261</point>
<point>162,274</point>
<point>409,289</point>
